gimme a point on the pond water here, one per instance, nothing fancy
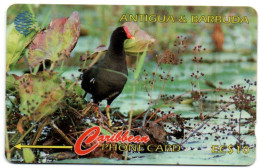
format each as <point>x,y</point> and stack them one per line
<point>230,69</point>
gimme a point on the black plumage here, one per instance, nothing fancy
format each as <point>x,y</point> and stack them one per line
<point>106,79</point>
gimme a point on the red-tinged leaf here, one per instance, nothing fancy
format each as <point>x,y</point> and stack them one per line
<point>56,42</point>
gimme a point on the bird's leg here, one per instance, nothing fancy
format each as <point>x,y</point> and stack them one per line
<point>97,111</point>
<point>108,116</point>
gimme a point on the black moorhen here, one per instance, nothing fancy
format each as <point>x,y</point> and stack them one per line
<point>106,79</point>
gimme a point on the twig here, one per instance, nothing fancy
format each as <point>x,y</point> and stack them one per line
<point>198,83</point>
<point>164,117</point>
<point>239,128</point>
<point>120,117</point>
<point>38,132</point>
<point>64,136</point>
<point>139,115</point>
<point>106,128</point>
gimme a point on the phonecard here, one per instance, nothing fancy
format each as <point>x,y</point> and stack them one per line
<point>111,84</point>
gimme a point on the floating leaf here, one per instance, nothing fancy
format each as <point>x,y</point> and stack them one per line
<point>40,94</point>
<point>19,35</point>
<point>141,41</point>
<point>56,42</point>
<point>28,155</point>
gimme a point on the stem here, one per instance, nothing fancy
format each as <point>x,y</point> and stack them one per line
<point>13,137</point>
<point>22,137</point>
<point>151,93</point>
<point>154,113</point>
<point>145,116</point>
<point>165,80</point>
<point>155,73</point>
<point>239,128</point>
<point>198,83</point>
<point>7,147</point>
<point>52,66</point>
<point>131,114</point>
<point>36,69</point>
<point>61,67</point>
<point>43,64</point>
<point>146,89</point>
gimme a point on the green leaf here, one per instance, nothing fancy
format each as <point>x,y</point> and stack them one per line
<point>10,82</point>
<point>39,94</point>
<point>28,155</point>
<point>56,42</point>
<point>15,44</point>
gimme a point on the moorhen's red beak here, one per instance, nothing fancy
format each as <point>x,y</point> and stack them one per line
<point>128,34</point>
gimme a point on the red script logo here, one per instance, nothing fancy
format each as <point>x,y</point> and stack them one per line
<point>92,134</point>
